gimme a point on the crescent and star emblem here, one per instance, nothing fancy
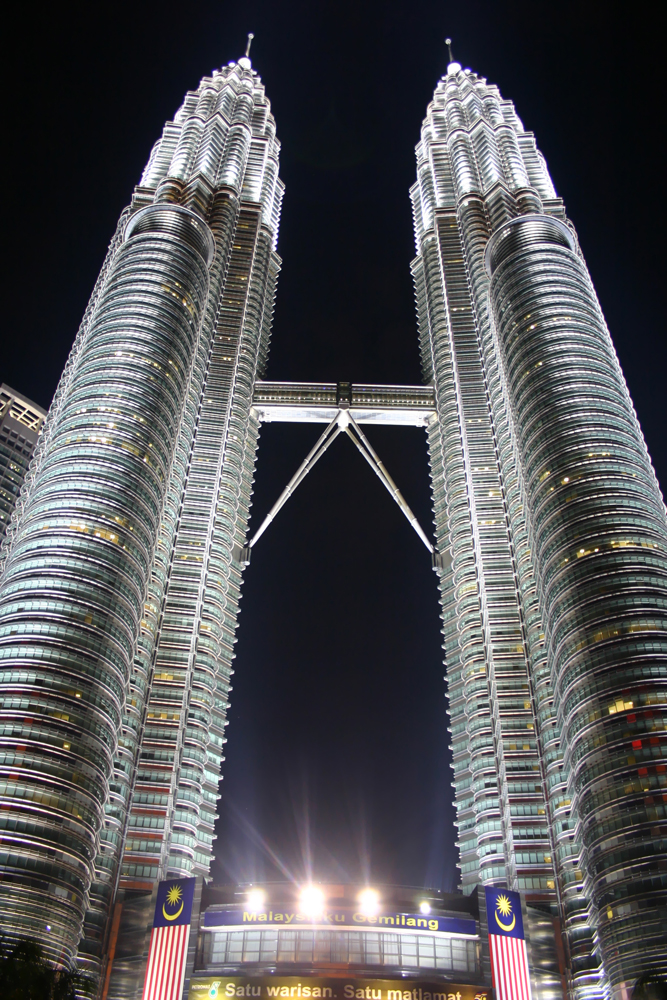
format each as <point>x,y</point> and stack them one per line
<point>173,896</point>
<point>504,907</point>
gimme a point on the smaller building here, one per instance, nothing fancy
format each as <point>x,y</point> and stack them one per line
<point>387,943</point>
<point>20,423</point>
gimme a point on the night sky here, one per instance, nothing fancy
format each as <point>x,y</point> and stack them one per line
<point>337,761</point>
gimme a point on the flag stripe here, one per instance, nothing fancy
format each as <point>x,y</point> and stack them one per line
<point>180,965</point>
<point>153,961</point>
<point>504,970</point>
<point>506,952</point>
<point>156,947</point>
<point>515,969</point>
<point>162,943</point>
<point>176,956</point>
<point>503,985</point>
<point>157,961</point>
<point>149,967</point>
<point>162,959</point>
<point>524,969</point>
<point>175,963</point>
<point>165,969</point>
<point>168,964</point>
<point>509,967</point>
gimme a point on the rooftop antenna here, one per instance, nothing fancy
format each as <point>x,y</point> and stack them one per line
<point>448,43</point>
<point>247,48</point>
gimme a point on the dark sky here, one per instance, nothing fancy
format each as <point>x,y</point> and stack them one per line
<point>337,759</point>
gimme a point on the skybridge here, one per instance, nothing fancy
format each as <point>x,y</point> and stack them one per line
<point>320,402</point>
<point>343,407</point>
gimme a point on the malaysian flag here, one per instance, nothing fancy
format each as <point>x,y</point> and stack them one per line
<point>168,950</point>
<point>509,958</point>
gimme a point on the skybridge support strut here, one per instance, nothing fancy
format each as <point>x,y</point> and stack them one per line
<point>329,436</point>
<point>343,421</point>
<point>371,456</point>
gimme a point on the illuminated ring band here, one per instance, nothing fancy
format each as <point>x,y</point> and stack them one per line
<point>176,221</point>
<point>522,233</point>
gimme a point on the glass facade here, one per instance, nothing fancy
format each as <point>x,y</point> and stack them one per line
<point>443,953</point>
<point>554,536</point>
<point>120,590</point>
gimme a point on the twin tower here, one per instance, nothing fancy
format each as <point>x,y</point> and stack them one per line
<point>123,565</point>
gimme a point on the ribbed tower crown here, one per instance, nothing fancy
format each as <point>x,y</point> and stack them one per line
<point>486,153</point>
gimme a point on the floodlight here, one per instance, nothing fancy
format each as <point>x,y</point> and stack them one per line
<point>369,902</point>
<point>424,907</point>
<point>255,900</point>
<point>311,901</point>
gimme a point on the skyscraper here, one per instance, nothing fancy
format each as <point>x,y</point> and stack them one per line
<point>554,579</point>
<point>120,589</point>
<point>122,568</point>
<point>20,422</point>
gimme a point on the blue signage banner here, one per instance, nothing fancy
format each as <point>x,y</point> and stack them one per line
<point>173,906</point>
<point>341,918</point>
<point>503,912</point>
<point>221,987</point>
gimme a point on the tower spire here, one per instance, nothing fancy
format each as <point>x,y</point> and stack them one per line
<point>448,43</point>
<point>247,48</point>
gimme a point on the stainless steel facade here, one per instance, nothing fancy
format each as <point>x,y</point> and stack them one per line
<point>546,501</point>
<point>119,593</point>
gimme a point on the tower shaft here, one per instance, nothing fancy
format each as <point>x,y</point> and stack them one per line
<point>546,501</point>
<point>120,592</point>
